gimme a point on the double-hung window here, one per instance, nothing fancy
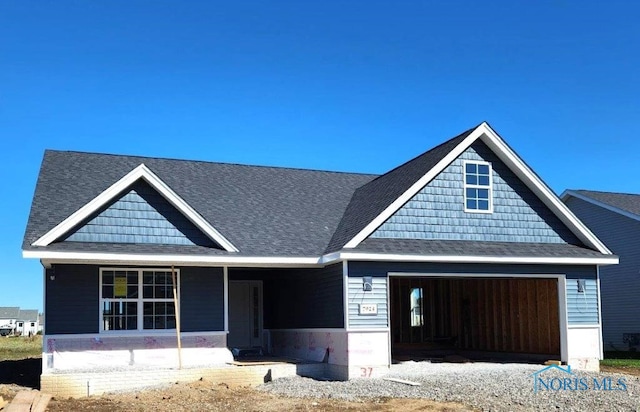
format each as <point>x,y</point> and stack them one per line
<point>478,187</point>
<point>137,299</point>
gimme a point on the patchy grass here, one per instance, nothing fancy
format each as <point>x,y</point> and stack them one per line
<point>20,347</point>
<point>621,362</point>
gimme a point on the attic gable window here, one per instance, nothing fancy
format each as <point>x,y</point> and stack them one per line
<point>478,190</point>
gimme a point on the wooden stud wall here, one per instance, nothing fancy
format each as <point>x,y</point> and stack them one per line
<point>491,314</point>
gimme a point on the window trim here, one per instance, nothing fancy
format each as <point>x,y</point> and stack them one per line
<point>139,301</point>
<point>465,186</point>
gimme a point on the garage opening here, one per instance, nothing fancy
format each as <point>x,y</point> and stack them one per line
<point>498,319</point>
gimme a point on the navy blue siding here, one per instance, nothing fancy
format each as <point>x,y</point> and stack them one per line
<point>581,308</point>
<point>437,211</point>
<point>73,299</point>
<point>619,284</point>
<point>202,299</point>
<point>299,298</point>
<point>140,215</point>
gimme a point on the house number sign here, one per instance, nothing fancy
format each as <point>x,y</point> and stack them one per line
<point>367,309</point>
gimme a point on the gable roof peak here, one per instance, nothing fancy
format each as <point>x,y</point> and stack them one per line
<point>375,202</point>
<point>139,172</point>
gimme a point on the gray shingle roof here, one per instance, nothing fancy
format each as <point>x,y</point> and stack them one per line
<point>28,315</point>
<point>9,312</point>
<point>470,248</point>
<point>624,201</point>
<point>373,198</point>
<point>263,211</point>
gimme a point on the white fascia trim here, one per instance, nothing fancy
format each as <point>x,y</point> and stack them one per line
<point>49,257</point>
<point>139,172</point>
<point>414,189</point>
<point>570,193</point>
<point>544,193</point>
<point>605,260</point>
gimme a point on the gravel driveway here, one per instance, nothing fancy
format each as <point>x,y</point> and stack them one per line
<point>486,386</point>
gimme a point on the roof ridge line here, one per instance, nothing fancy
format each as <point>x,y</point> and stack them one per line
<point>173,159</point>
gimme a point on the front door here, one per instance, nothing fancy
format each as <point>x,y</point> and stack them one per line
<point>245,314</point>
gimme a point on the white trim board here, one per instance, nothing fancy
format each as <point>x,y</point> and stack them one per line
<point>140,172</point>
<point>515,164</point>
<point>58,257</point>
<point>604,260</point>
<point>48,257</point>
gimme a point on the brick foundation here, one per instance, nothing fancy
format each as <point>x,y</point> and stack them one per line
<point>79,385</point>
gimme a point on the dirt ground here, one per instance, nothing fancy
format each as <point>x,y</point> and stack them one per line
<point>197,396</point>
<point>204,396</point>
<point>620,369</point>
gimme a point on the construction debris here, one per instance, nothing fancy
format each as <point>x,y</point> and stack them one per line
<point>405,382</point>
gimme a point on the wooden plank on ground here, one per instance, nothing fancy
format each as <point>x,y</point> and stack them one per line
<point>41,402</point>
<point>22,402</point>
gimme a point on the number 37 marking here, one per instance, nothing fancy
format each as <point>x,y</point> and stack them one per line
<point>365,372</point>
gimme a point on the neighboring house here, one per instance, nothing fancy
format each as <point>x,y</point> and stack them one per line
<point>27,322</point>
<point>615,219</point>
<point>8,319</point>
<point>314,265</point>
<point>16,321</point>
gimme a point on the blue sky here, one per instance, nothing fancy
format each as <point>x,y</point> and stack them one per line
<point>349,86</point>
